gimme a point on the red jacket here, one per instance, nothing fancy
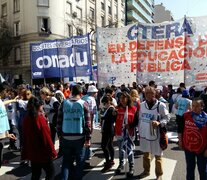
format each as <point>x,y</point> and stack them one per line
<point>120,119</point>
<point>194,139</point>
<point>37,142</point>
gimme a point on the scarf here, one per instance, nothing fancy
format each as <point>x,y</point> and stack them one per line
<point>199,119</point>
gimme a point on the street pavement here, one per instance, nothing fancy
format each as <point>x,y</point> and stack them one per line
<point>173,162</point>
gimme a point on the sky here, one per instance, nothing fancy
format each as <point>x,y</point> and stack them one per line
<point>180,8</point>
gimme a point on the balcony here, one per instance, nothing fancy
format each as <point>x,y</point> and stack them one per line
<point>133,5</point>
<point>147,7</point>
<point>133,16</point>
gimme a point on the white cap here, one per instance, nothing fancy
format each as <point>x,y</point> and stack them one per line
<point>92,88</point>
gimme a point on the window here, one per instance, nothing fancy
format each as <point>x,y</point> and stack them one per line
<point>102,6</point>
<point>102,21</point>
<point>79,13</point>
<point>109,9</point>
<point>69,8</point>
<point>17,29</point>
<point>79,32</point>
<point>110,23</point>
<point>116,12</point>
<point>44,25</point>
<point>43,2</point>
<point>70,30</point>
<point>17,55</point>
<point>92,14</point>
<point>4,10</point>
<point>16,5</point>
<point>122,15</point>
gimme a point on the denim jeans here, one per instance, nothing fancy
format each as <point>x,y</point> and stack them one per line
<point>72,149</point>
<point>191,159</point>
<point>129,152</point>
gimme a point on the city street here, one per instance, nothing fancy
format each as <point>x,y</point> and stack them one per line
<point>173,163</point>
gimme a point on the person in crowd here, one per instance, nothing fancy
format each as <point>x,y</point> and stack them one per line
<point>126,122</point>
<point>175,97</point>
<point>13,121</point>
<point>108,119</point>
<point>192,133</point>
<point>109,91</point>
<point>140,90</point>
<point>51,106</point>
<point>192,92</point>
<point>38,146</point>
<point>159,96</point>
<point>24,96</point>
<point>75,134</point>
<point>182,105</point>
<point>90,99</point>
<point>203,96</point>
<point>136,101</point>
<point>152,84</point>
<point>4,122</point>
<point>171,91</point>
<point>66,90</point>
<point>182,86</point>
<point>152,114</point>
<point>59,93</point>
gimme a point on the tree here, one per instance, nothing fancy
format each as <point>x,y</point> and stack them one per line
<point>6,41</point>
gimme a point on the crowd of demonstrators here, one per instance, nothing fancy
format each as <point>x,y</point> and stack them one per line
<point>128,113</point>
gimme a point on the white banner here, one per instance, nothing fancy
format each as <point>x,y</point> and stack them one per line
<point>168,53</point>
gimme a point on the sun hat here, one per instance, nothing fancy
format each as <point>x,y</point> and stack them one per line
<point>92,88</point>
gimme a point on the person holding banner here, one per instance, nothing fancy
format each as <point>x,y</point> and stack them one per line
<point>152,114</point>
<point>126,122</point>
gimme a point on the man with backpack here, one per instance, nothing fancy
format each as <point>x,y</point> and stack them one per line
<point>74,127</point>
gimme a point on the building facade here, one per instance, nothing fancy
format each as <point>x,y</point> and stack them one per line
<point>162,14</point>
<point>31,21</point>
<point>139,11</point>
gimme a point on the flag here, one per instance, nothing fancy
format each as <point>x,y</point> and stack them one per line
<point>128,144</point>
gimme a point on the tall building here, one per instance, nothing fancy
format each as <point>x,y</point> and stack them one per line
<point>30,21</point>
<point>139,11</point>
<point>162,14</point>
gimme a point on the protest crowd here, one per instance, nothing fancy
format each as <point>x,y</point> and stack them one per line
<point>33,117</point>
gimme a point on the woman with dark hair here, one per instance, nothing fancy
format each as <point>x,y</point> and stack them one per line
<point>126,122</point>
<point>192,133</point>
<point>107,123</point>
<point>38,146</point>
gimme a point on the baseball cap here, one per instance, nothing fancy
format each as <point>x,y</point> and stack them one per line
<point>185,92</point>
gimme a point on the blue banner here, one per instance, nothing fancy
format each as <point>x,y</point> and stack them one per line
<point>61,58</point>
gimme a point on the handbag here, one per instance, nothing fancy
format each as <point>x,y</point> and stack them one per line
<point>163,137</point>
<point>163,133</point>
